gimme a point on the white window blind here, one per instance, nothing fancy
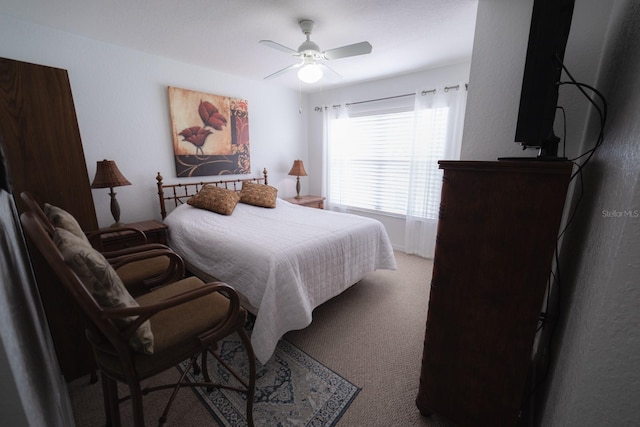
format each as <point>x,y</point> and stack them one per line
<point>371,156</point>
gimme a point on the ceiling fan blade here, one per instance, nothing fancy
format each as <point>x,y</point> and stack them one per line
<point>329,72</point>
<point>284,70</point>
<point>278,46</point>
<point>355,49</point>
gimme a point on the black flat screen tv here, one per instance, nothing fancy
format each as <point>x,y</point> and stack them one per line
<point>550,25</point>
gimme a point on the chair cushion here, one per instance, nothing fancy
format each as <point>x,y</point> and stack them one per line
<point>101,280</point>
<point>215,199</point>
<point>63,219</point>
<point>258,194</point>
<point>134,274</point>
<point>175,325</point>
<point>176,329</point>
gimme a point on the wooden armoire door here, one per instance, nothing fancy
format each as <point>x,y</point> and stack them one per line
<point>42,145</point>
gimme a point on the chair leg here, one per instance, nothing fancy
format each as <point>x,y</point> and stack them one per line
<point>252,374</point>
<point>110,398</point>
<point>178,385</point>
<point>205,367</point>
<point>136,403</point>
<point>205,371</point>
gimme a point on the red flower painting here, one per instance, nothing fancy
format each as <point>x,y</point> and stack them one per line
<point>196,135</point>
<point>210,115</point>
<point>210,133</point>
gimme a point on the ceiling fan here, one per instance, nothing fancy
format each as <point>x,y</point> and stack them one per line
<point>312,64</point>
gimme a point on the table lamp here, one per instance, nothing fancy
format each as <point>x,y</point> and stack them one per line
<point>108,176</point>
<point>297,170</point>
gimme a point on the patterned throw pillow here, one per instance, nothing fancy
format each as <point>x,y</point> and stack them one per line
<point>63,219</point>
<point>215,199</point>
<point>104,284</point>
<point>258,194</point>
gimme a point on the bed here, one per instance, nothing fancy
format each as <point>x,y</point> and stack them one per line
<point>283,261</point>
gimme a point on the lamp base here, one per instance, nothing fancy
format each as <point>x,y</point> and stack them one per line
<point>115,209</point>
<point>298,196</point>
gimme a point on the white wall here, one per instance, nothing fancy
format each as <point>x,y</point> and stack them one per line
<point>497,67</point>
<point>594,378</point>
<point>123,112</point>
<point>436,78</point>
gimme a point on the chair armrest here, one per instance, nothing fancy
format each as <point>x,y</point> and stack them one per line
<point>118,262</point>
<point>94,235</point>
<point>175,270</point>
<point>134,249</point>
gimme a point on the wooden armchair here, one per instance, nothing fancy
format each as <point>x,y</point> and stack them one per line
<point>141,267</point>
<point>135,339</point>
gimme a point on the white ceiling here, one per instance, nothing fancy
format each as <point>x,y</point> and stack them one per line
<point>407,35</point>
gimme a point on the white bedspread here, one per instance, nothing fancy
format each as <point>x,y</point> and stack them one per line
<point>285,261</point>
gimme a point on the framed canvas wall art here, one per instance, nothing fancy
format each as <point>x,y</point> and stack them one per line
<point>210,133</point>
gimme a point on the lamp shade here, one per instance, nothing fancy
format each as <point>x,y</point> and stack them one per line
<point>108,175</point>
<point>298,169</point>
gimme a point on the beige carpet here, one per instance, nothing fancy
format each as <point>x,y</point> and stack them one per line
<point>372,335</point>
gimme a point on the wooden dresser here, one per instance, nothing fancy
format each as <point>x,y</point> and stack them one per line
<point>496,237</point>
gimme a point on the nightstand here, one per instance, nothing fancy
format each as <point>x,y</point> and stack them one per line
<point>310,201</point>
<point>156,232</point>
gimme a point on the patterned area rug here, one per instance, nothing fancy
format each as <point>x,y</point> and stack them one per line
<point>292,389</point>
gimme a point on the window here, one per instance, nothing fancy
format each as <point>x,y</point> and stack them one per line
<point>372,157</point>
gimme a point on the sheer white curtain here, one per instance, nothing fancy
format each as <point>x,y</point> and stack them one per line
<point>330,115</point>
<point>439,119</point>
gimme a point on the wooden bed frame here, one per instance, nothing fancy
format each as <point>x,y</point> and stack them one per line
<point>180,193</point>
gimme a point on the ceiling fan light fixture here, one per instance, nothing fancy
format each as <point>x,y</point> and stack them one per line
<point>313,65</point>
<point>310,72</point>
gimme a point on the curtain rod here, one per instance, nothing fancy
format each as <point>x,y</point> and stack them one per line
<point>380,99</point>
<point>423,93</point>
